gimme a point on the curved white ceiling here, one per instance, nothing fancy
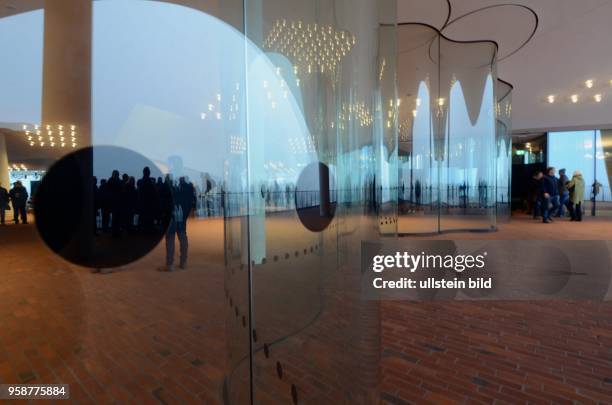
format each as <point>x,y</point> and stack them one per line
<point>571,45</point>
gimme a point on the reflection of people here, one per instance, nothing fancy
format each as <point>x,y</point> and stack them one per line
<point>576,190</point>
<point>146,195</point>
<point>4,203</point>
<point>182,200</point>
<point>19,198</point>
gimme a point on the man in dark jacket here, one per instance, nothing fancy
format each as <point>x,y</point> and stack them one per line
<point>534,196</point>
<point>4,203</point>
<point>182,200</point>
<point>550,195</point>
<point>19,199</point>
<point>563,193</point>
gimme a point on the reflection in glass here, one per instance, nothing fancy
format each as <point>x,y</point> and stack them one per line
<point>447,132</point>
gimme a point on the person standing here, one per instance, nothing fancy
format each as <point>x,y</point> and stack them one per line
<point>563,193</point>
<point>182,201</point>
<point>550,195</point>
<point>19,199</point>
<point>4,203</point>
<point>576,190</point>
<point>534,197</point>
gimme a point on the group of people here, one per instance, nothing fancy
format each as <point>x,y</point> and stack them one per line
<point>147,206</point>
<point>18,198</point>
<point>550,195</point>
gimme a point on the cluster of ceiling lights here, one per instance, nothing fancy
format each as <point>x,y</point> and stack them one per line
<point>303,145</point>
<point>358,112</point>
<point>17,167</point>
<point>237,144</point>
<point>61,136</point>
<point>312,47</point>
<point>576,98</point>
<point>214,108</point>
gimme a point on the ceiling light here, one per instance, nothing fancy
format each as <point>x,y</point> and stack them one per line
<point>551,98</point>
<point>597,98</point>
<point>589,83</point>
<point>414,113</point>
<point>441,102</point>
<point>574,98</point>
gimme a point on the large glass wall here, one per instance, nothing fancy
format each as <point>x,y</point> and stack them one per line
<point>590,153</point>
<point>503,151</point>
<point>318,169</point>
<point>447,132</point>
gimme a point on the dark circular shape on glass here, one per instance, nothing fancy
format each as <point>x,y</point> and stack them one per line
<point>315,197</point>
<point>481,9</point>
<point>101,207</point>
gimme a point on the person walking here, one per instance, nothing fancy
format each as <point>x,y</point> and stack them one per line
<point>4,203</point>
<point>563,193</point>
<point>19,199</point>
<point>576,190</point>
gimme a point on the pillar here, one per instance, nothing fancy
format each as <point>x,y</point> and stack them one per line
<point>66,97</point>
<point>67,65</point>
<point>4,167</point>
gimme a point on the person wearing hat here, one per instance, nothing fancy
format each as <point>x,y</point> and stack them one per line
<point>576,197</point>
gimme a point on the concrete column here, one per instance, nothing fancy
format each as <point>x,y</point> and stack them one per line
<point>67,96</point>
<point>67,66</point>
<point>4,172</point>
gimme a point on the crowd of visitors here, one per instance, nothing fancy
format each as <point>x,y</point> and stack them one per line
<point>125,206</point>
<point>550,195</point>
<point>18,198</point>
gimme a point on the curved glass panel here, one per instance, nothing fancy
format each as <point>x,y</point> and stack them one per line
<point>418,89</point>
<point>320,170</point>
<point>447,132</point>
<point>504,151</point>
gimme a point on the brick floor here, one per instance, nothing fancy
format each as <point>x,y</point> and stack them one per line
<point>142,336</point>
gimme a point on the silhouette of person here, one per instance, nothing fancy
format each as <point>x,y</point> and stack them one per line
<point>147,197</point>
<point>19,199</point>
<point>182,201</point>
<point>4,203</point>
<point>113,188</point>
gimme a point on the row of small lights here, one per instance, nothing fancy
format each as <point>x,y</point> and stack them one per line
<point>574,98</point>
<point>317,48</point>
<point>303,145</point>
<point>51,136</point>
<point>15,167</point>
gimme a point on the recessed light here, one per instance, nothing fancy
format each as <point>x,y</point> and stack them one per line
<point>589,83</point>
<point>574,98</point>
<point>551,98</point>
<point>597,98</point>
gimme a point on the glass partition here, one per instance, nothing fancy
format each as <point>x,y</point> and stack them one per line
<point>588,152</point>
<point>447,132</point>
<point>503,151</point>
<point>318,168</point>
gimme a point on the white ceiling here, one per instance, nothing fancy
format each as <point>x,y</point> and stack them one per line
<point>573,43</point>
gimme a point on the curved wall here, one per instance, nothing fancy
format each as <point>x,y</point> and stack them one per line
<point>447,132</point>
